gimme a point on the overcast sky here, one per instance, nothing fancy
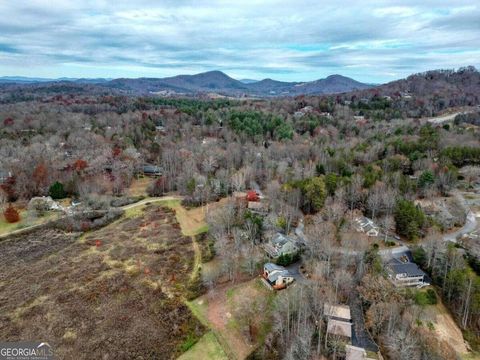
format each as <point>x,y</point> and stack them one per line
<point>371,41</point>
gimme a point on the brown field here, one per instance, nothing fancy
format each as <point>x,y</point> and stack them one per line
<point>121,297</point>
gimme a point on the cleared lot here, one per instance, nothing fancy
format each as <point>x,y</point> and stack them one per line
<point>115,293</point>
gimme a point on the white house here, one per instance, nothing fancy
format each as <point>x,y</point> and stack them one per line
<point>367,226</point>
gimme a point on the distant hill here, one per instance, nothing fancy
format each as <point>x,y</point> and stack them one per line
<point>210,82</point>
<point>248,81</point>
<point>450,85</point>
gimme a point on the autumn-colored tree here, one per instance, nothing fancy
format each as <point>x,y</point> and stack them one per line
<point>116,151</point>
<point>11,214</point>
<point>8,121</point>
<point>80,165</point>
<point>8,187</point>
<point>40,175</point>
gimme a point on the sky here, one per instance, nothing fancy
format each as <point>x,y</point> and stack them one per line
<point>302,40</point>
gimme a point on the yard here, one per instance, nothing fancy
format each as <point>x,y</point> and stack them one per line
<point>232,312</point>
<point>25,221</point>
<point>119,290</point>
<point>440,321</point>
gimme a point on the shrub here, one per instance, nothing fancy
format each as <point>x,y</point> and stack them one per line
<point>57,191</point>
<point>287,259</point>
<point>11,214</point>
<point>425,298</point>
<point>158,187</point>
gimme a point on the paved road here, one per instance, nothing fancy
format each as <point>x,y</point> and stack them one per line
<point>360,335</point>
<point>470,222</point>
<point>448,117</point>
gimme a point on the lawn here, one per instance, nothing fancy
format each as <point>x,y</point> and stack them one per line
<point>207,347</point>
<point>232,314</point>
<point>25,221</point>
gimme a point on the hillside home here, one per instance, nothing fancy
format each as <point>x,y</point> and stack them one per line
<point>367,226</point>
<point>403,272</point>
<point>151,170</point>
<point>281,244</point>
<point>277,276</point>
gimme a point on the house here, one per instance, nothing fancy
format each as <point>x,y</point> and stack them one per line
<point>402,271</point>
<point>260,208</point>
<point>152,170</point>
<point>281,244</point>
<point>367,226</point>
<point>4,175</point>
<point>253,195</point>
<point>339,320</point>
<point>356,353</point>
<point>277,276</point>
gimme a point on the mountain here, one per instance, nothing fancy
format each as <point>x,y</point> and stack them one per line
<point>331,85</point>
<point>218,82</point>
<point>22,79</point>
<point>208,82</point>
<point>248,81</point>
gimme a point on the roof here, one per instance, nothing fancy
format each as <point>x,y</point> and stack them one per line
<point>254,205</point>
<point>280,244</point>
<point>275,271</point>
<point>355,353</point>
<point>272,266</point>
<point>151,169</point>
<point>338,327</point>
<point>411,269</point>
<point>338,311</point>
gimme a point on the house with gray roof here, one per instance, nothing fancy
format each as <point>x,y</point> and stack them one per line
<point>402,272</point>
<point>281,244</point>
<point>152,170</point>
<point>277,276</point>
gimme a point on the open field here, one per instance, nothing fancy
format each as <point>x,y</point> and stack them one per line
<point>119,290</point>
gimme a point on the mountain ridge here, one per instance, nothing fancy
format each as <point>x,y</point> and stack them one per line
<point>209,82</point>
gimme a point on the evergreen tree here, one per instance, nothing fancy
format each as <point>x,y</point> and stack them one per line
<point>57,191</point>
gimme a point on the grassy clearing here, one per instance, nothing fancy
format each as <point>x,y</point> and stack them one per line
<point>231,311</point>
<point>139,186</point>
<point>26,221</point>
<point>207,347</point>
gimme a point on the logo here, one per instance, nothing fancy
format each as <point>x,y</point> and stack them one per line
<point>26,350</point>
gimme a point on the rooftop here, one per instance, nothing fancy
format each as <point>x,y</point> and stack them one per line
<point>341,328</point>
<point>411,269</point>
<point>338,311</point>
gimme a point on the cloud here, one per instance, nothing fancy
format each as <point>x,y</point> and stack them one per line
<point>370,40</point>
